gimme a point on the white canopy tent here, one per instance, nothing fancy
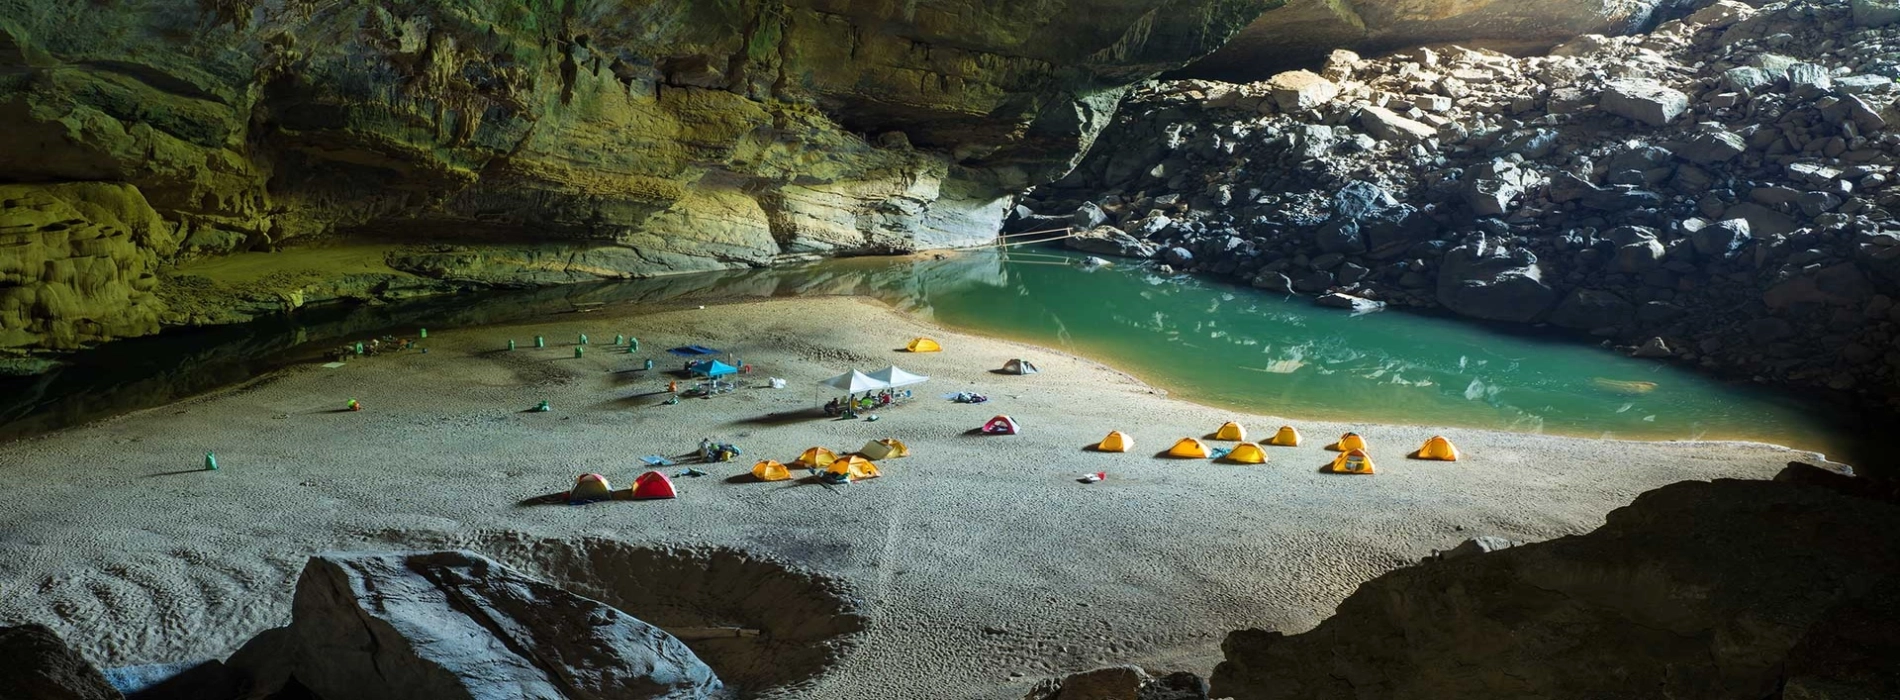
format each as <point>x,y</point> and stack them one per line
<point>854,381</point>
<point>896,377</point>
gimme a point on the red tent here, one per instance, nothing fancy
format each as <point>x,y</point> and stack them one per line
<point>1001,425</point>
<point>652,485</point>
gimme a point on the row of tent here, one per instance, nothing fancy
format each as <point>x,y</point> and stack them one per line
<point>856,466</point>
<point>651,485</point>
<point>1353,458</point>
<point>890,377</point>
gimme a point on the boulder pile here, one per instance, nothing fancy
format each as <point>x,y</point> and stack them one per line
<point>1719,190</point>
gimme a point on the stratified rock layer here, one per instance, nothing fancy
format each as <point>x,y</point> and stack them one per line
<point>1695,590</point>
<point>537,142</point>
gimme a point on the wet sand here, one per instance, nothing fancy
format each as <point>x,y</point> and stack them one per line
<point>979,564</point>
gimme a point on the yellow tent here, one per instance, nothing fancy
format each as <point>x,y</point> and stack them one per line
<point>1352,462</point>
<point>771,470</point>
<point>855,467</point>
<point>1287,437</point>
<point>884,449</point>
<point>590,487</point>
<point>1117,441</point>
<point>1231,431</point>
<point>814,458</point>
<point>1348,443</point>
<point>1438,448</point>
<point>1247,453</point>
<point>1188,448</point>
<point>923,345</point>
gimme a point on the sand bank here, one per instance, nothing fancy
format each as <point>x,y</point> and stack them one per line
<point>973,567</point>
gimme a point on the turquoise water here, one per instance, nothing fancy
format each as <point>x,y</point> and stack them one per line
<point>1233,346</point>
<point>1205,341</point>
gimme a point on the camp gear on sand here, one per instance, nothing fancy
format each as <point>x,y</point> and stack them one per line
<point>578,351</point>
<point>1437,448</point>
<point>1231,431</point>
<point>887,448</point>
<point>815,458</point>
<point>511,345</point>
<point>540,341</point>
<point>1116,441</point>
<point>658,461</point>
<point>359,347</point>
<point>1020,366</point>
<point>711,368</point>
<point>422,332</point>
<point>689,471</point>
<point>1287,437</point>
<point>648,365</point>
<point>923,345</point>
<point>852,467</point>
<point>583,339</point>
<point>771,470</point>
<point>1218,452</point>
<point>1002,425</point>
<point>633,344</point>
<point>775,383</point>
<point>211,462</point>
<point>671,401</point>
<point>1092,478</point>
<point>542,408</point>
<point>1351,462</point>
<point>353,405</point>
<point>1247,453</point>
<point>853,382</point>
<point>1189,448</point>
<point>967,397</point>
<point>694,351</point>
<point>619,339</point>
<point>651,486</point>
<point>1348,443</point>
<point>589,488</point>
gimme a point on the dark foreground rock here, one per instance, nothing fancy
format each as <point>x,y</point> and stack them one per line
<point>1730,589</point>
<point>457,625</point>
<point>35,664</point>
<point>1121,683</point>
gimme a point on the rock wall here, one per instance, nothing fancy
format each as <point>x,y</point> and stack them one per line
<point>545,141</point>
<point>1300,34</point>
<point>1720,190</point>
<point>1730,589</point>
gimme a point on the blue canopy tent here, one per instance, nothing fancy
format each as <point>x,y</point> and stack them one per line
<point>693,351</point>
<point>712,368</point>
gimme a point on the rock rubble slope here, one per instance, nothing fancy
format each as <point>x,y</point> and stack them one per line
<point>1719,190</point>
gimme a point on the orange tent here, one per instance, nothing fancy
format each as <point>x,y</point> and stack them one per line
<point>1117,441</point>
<point>1348,443</point>
<point>1002,425</point>
<point>653,485</point>
<point>854,468</point>
<point>1188,448</point>
<point>1438,448</point>
<point>924,345</point>
<point>815,458</point>
<point>1352,462</point>
<point>770,470</point>
<point>1287,437</point>
<point>1231,431</point>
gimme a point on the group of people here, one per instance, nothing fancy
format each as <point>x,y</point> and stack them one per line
<point>373,346</point>
<point>871,401</point>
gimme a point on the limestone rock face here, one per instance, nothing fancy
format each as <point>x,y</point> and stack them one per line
<point>457,625</point>
<point>611,138</point>
<point>1695,590</point>
<point>78,263</point>
<point>1303,31</point>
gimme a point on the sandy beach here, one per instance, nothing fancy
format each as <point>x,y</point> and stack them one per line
<point>973,568</point>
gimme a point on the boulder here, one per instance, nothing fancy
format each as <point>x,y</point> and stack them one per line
<point>1590,309</point>
<point>1359,199</point>
<point>1841,284</point>
<point>1314,282</point>
<point>1108,240</point>
<point>1654,348</point>
<point>1875,13</point>
<point>1121,683</point>
<point>1711,147</point>
<point>35,664</point>
<point>454,624</point>
<point>1341,237</point>
<point>1388,125</point>
<point>1696,591</point>
<point>1300,90</point>
<point>1349,302</point>
<point>1273,282</point>
<point>1646,101</point>
<point>1485,281</point>
<point>1723,239</point>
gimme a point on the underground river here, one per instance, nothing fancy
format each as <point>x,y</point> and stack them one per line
<point>1205,341</point>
